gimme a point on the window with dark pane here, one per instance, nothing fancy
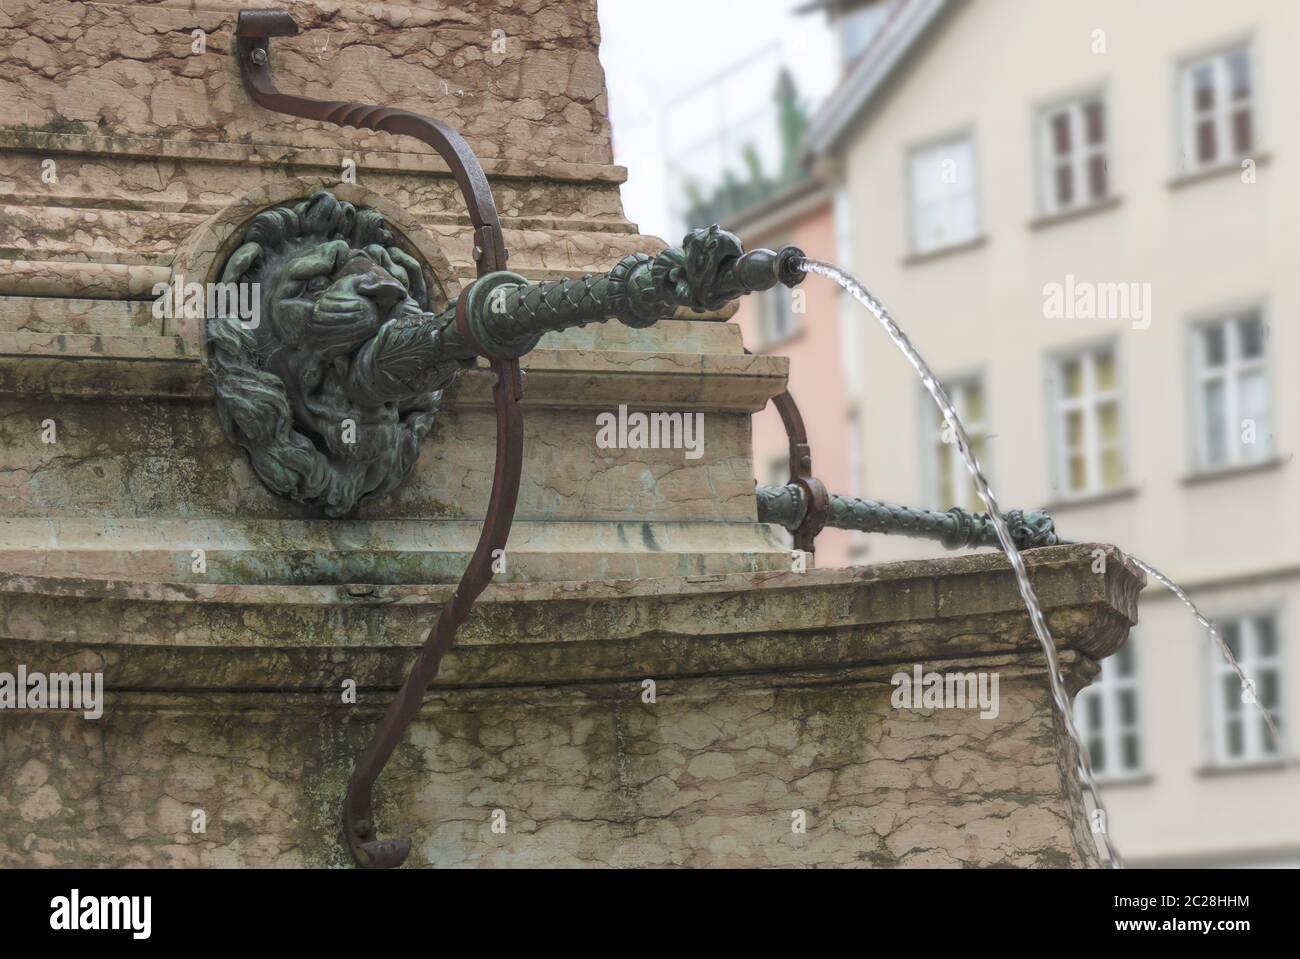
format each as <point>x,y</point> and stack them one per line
<point>1073,155</point>
<point>1218,108</point>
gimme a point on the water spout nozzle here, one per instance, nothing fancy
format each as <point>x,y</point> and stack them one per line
<point>791,265</point>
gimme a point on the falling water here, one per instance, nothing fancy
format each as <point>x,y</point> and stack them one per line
<point>936,391</point>
<point>1215,637</point>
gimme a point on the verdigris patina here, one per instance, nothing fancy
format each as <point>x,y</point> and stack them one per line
<point>333,392</point>
<point>955,528</point>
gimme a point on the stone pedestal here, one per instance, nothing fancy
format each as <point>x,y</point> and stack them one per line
<point>129,159</point>
<point>772,706</point>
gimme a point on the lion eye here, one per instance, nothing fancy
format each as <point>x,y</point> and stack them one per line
<point>317,283</point>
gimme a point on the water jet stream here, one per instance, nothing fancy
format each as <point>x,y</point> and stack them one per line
<point>1005,539</point>
<point>940,397</point>
<point>1201,618</point>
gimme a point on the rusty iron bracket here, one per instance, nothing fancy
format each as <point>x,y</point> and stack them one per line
<point>815,494</point>
<point>253,33</point>
<point>818,500</point>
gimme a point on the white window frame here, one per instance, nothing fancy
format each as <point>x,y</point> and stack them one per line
<point>913,155</point>
<point>957,388</point>
<point>1216,58</point>
<point>1254,665</point>
<point>1087,403</point>
<point>1232,371</point>
<point>1080,154</point>
<point>1107,689</point>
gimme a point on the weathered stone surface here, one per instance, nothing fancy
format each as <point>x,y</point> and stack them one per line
<point>131,67</point>
<point>102,212</point>
<point>124,459</point>
<point>772,696</point>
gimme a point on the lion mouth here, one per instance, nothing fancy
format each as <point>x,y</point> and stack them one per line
<point>340,323</point>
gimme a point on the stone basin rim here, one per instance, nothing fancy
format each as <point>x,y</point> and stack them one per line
<point>554,590</point>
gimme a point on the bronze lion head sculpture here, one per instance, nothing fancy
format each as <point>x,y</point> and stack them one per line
<point>332,389</point>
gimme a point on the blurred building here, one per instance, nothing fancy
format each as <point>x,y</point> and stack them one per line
<point>800,209</point>
<point>1084,214</point>
<point>800,325</point>
<point>729,147</point>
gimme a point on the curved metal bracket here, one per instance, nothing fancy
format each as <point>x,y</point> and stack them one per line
<point>252,42</point>
<point>252,49</point>
<point>819,501</point>
<point>815,493</point>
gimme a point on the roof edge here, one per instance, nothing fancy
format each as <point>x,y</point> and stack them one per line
<point>778,210</point>
<point>873,70</point>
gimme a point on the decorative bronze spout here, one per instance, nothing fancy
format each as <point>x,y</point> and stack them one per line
<point>508,315</point>
<point>333,390</point>
<point>955,528</point>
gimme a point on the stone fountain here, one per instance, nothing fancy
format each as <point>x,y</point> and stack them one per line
<point>646,680</point>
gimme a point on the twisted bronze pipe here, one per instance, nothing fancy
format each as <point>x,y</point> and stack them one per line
<point>955,528</point>
<point>803,507</point>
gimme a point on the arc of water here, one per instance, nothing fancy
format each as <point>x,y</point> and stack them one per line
<point>1039,623</point>
<point>1246,682</point>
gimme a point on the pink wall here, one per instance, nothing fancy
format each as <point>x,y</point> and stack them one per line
<point>816,379</point>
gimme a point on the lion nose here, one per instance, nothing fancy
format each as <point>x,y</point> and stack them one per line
<point>385,291</point>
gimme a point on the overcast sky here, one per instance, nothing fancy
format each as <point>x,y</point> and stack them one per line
<point>656,52</point>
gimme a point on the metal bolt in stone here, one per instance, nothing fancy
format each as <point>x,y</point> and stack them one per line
<point>259,57</point>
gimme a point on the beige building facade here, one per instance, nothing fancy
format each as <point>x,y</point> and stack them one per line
<point>1084,215</point>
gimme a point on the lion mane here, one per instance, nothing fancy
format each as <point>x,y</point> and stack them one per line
<point>262,413</point>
